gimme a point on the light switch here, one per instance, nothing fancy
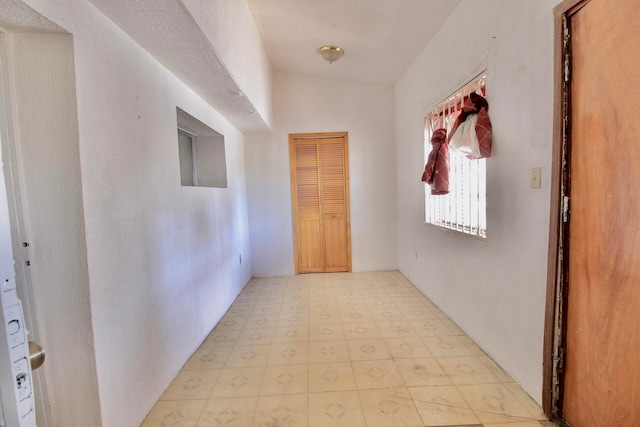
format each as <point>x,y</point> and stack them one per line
<point>536,177</point>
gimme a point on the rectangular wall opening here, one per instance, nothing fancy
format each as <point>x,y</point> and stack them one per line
<point>201,153</point>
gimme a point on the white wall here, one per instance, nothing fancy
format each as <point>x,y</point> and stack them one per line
<point>494,289</point>
<point>308,104</point>
<point>230,28</point>
<point>163,260</point>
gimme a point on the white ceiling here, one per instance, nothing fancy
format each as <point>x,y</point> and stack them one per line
<point>167,30</point>
<point>381,38</point>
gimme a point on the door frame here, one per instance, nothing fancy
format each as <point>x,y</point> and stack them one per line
<point>294,192</point>
<point>19,242</point>
<point>557,283</point>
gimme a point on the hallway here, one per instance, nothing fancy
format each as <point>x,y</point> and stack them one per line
<point>341,349</point>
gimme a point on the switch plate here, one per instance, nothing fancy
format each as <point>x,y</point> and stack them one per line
<point>536,177</point>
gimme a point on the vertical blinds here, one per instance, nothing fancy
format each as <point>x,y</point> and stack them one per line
<point>464,208</point>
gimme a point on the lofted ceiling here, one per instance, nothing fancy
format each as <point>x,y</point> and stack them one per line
<point>381,38</point>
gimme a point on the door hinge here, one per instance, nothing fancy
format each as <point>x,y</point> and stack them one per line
<point>560,360</point>
<point>565,209</point>
<point>566,45</point>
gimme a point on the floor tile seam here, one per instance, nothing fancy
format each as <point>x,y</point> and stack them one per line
<point>297,312</point>
<point>531,416</point>
<point>255,410</point>
<point>463,425</point>
<point>366,338</point>
<point>512,418</point>
<point>375,360</point>
<point>241,344</point>
<point>202,411</point>
<point>181,400</point>
<point>360,401</point>
<point>359,389</point>
<point>268,353</point>
<point>286,364</point>
<point>439,404</point>
<point>395,360</point>
<point>410,326</point>
<point>296,298</point>
<point>422,338</point>
<point>525,405</point>
<point>325,323</point>
<point>308,405</point>
<point>316,341</point>
<point>261,394</point>
<point>347,309</point>
<point>244,366</point>
<point>387,307</point>
<point>477,383</point>
<point>332,390</point>
<point>246,300</point>
<point>314,307</point>
<point>410,398</point>
<point>476,412</point>
<point>450,381</point>
<point>259,387</point>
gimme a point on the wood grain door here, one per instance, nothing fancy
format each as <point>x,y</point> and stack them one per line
<point>602,378</point>
<point>320,201</point>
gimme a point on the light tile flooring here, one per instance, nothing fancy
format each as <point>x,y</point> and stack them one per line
<point>342,349</point>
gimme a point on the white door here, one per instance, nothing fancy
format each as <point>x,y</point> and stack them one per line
<point>23,392</point>
<point>16,377</point>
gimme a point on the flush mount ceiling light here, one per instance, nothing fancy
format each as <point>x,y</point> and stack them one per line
<point>331,53</point>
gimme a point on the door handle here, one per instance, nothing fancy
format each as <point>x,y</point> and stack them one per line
<point>36,355</point>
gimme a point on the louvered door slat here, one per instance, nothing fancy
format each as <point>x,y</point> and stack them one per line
<point>333,177</point>
<point>334,230</point>
<point>307,179</point>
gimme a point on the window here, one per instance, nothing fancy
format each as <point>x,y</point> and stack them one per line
<point>464,209</point>
<point>201,153</point>
<point>188,168</point>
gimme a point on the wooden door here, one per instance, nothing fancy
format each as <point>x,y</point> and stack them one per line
<point>320,201</point>
<point>602,378</point>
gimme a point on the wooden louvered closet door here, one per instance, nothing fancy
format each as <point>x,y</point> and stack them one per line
<point>320,200</point>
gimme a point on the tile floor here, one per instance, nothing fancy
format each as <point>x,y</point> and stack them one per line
<point>342,349</point>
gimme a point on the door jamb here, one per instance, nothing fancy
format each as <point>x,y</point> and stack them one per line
<point>19,232</point>
<point>555,310</point>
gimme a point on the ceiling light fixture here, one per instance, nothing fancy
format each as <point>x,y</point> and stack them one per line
<point>331,53</point>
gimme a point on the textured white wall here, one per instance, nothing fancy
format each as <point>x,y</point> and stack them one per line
<point>162,259</point>
<point>494,289</point>
<point>230,28</point>
<point>308,104</point>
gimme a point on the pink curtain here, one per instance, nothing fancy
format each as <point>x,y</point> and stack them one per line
<point>436,172</point>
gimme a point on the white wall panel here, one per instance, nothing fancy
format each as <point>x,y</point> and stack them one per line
<point>494,289</point>
<point>163,260</point>
<point>306,105</point>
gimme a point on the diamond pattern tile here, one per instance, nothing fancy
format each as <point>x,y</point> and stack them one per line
<point>340,349</point>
